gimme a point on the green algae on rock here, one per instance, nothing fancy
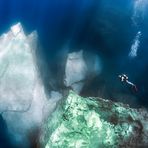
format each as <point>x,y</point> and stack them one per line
<point>95,123</point>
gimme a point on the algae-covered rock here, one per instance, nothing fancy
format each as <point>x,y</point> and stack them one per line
<point>95,123</point>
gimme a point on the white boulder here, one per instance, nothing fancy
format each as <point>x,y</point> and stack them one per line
<point>23,101</point>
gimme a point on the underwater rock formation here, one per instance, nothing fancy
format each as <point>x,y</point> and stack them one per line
<point>79,70</point>
<point>75,71</point>
<point>23,100</point>
<point>95,123</point>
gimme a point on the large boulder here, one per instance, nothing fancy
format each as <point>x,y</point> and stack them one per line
<point>95,123</point>
<point>23,100</point>
<point>79,70</point>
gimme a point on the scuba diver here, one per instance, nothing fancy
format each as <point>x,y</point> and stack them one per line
<point>124,79</point>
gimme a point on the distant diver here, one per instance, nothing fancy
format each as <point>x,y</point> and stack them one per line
<point>124,79</point>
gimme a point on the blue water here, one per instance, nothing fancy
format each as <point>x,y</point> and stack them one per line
<point>103,27</point>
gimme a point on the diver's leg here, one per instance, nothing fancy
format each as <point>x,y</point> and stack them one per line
<point>133,85</point>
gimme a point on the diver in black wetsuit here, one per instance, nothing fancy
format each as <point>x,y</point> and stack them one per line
<point>124,78</point>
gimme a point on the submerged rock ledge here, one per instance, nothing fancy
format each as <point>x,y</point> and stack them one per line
<point>95,123</point>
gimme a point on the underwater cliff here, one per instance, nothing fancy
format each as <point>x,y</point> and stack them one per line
<point>23,98</point>
<point>95,123</point>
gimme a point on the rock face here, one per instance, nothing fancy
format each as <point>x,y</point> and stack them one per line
<point>95,123</point>
<point>75,71</point>
<point>79,70</point>
<point>22,94</point>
